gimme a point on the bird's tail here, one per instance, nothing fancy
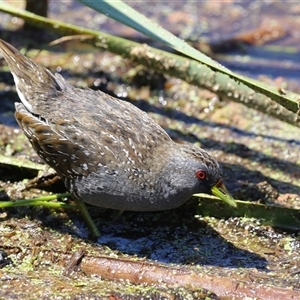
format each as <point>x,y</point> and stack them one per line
<point>33,82</point>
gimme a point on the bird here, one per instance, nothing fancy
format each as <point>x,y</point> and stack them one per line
<point>108,152</point>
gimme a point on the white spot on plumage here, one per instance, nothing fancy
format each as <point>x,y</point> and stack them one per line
<point>108,149</point>
<point>131,143</point>
<point>126,152</point>
<point>21,95</point>
<point>87,153</point>
<point>61,152</point>
<point>85,167</point>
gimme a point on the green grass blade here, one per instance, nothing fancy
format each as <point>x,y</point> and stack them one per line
<point>271,215</point>
<point>125,14</point>
<point>121,12</point>
<point>40,201</point>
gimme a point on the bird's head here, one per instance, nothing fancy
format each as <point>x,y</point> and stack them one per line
<point>202,173</point>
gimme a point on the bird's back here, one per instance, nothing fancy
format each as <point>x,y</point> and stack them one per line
<point>79,128</point>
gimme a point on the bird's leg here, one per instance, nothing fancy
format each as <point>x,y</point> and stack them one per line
<point>87,217</point>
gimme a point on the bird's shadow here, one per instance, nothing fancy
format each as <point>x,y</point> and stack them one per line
<point>175,236</point>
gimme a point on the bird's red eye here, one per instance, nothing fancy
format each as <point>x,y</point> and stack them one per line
<point>200,174</point>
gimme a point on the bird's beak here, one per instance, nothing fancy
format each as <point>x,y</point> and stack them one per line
<point>220,191</point>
